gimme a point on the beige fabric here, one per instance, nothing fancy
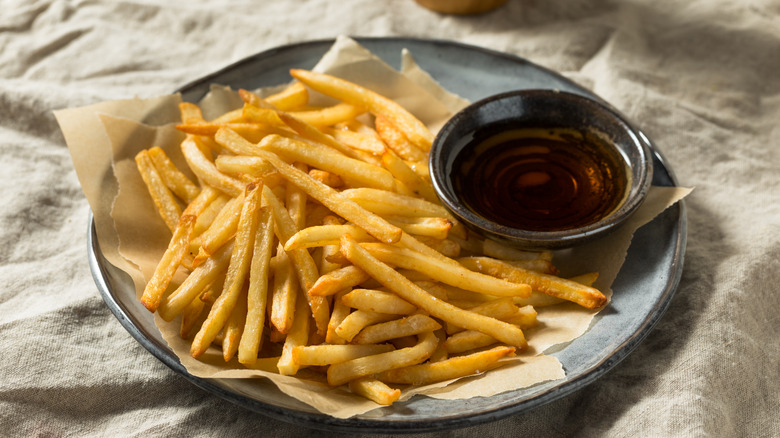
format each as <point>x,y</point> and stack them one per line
<point>700,77</point>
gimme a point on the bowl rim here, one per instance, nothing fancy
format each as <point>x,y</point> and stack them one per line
<point>538,240</point>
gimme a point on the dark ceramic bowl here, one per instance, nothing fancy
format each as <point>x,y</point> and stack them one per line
<point>548,111</point>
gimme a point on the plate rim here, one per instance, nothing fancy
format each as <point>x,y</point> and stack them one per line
<point>325,422</point>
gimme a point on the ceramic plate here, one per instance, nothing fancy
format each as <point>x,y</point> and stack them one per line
<point>642,290</point>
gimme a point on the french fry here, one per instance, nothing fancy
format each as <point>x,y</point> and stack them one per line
<point>467,340</point>
<point>374,390</point>
<point>238,268</point>
<point>350,169</point>
<point>257,295</point>
<point>322,235</point>
<point>195,283</point>
<point>234,327</point>
<point>407,290</point>
<point>435,227</point>
<point>379,105</point>
<point>163,198</point>
<point>221,230</point>
<point>403,173</point>
<point>581,294</point>
<point>361,141</point>
<point>335,281</point>
<point>330,354</point>
<point>169,263</point>
<point>407,326</point>
<point>385,203</point>
<point>297,336</point>
<point>445,272</point>
<point>397,142</point>
<point>329,116</point>
<point>293,96</point>
<point>190,317</point>
<point>172,177</point>
<point>377,301</point>
<point>448,369</point>
<point>207,171</point>
<point>338,314</point>
<point>285,292</point>
<point>356,321</point>
<point>343,372</point>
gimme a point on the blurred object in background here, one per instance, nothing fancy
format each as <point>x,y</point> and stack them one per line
<point>461,7</point>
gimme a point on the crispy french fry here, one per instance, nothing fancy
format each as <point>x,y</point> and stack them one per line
<point>234,328</point>
<point>448,369</point>
<point>195,284</point>
<point>163,198</point>
<point>384,203</point>
<point>407,326</point>
<point>407,290</point>
<point>221,230</point>
<point>206,170</point>
<point>330,354</point>
<point>293,96</point>
<point>190,317</point>
<point>374,390</point>
<point>397,142</point>
<point>581,294</point>
<point>238,268</point>
<point>322,235</point>
<point>285,292</point>
<point>377,301</point>
<point>445,272</point>
<point>338,280</point>
<point>343,372</point>
<point>297,336</point>
<point>350,169</point>
<point>379,105</point>
<point>356,321</point>
<point>190,113</point>
<point>435,227</point>
<point>257,295</point>
<point>329,116</point>
<point>337,315</point>
<point>358,140</point>
<point>403,173</point>
<point>169,263</point>
<point>173,178</point>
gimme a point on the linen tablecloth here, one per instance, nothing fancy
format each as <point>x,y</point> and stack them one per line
<point>701,78</point>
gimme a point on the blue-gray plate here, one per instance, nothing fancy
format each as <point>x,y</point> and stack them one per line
<point>641,292</point>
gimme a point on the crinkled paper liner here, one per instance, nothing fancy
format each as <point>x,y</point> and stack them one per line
<point>104,138</point>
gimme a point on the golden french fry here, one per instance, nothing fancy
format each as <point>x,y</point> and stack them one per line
<point>402,172</point>
<point>330,354</point>
<point>293,96</point>
<point>238,268</point>
<point>328,178</point>
<point>397,142</point>
<point>581,294</point>
<point>207,171</point>
<point>169,263</point>
<point>173,178</point>
<point>491,248</point>
<point>305,267</point>
<point>163,198</point>
<point>374,390</point>
<point>257,295</point>
<point>190,113</point>
<point>343,372</point>
<point>309,133</point>
<point>191,316</point>
<point>356,321</point>
<point>338,280</point>
<point>435,227</point>
<point>237,165</point>
<point>285,292</point>
<point>297,336</point>
<point>445,272</point>
<point>448,369</point>
<point>407,326</point>
<point>197,282</point>
<point>407,290</point>
<point>351,170</point>
<point>377,301</point>
<point>337,315</point>
<point>221,230</point>
<point>329,116</point>
<point>357,140</point>
<point>321,235</point>
<point>379,105</point>
<point>384,203</point>
<point>524,318</point>
<point>234,328</point>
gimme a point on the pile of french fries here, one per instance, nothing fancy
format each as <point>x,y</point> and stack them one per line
<point>312,239</point>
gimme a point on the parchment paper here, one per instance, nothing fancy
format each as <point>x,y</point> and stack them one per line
<point>133,237</point>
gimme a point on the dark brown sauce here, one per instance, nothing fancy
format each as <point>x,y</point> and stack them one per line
<point>540,180</point>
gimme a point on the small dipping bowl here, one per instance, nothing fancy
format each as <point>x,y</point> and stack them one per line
<point>540,169</point>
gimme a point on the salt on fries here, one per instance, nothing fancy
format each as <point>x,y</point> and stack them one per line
<point>309,241</point>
